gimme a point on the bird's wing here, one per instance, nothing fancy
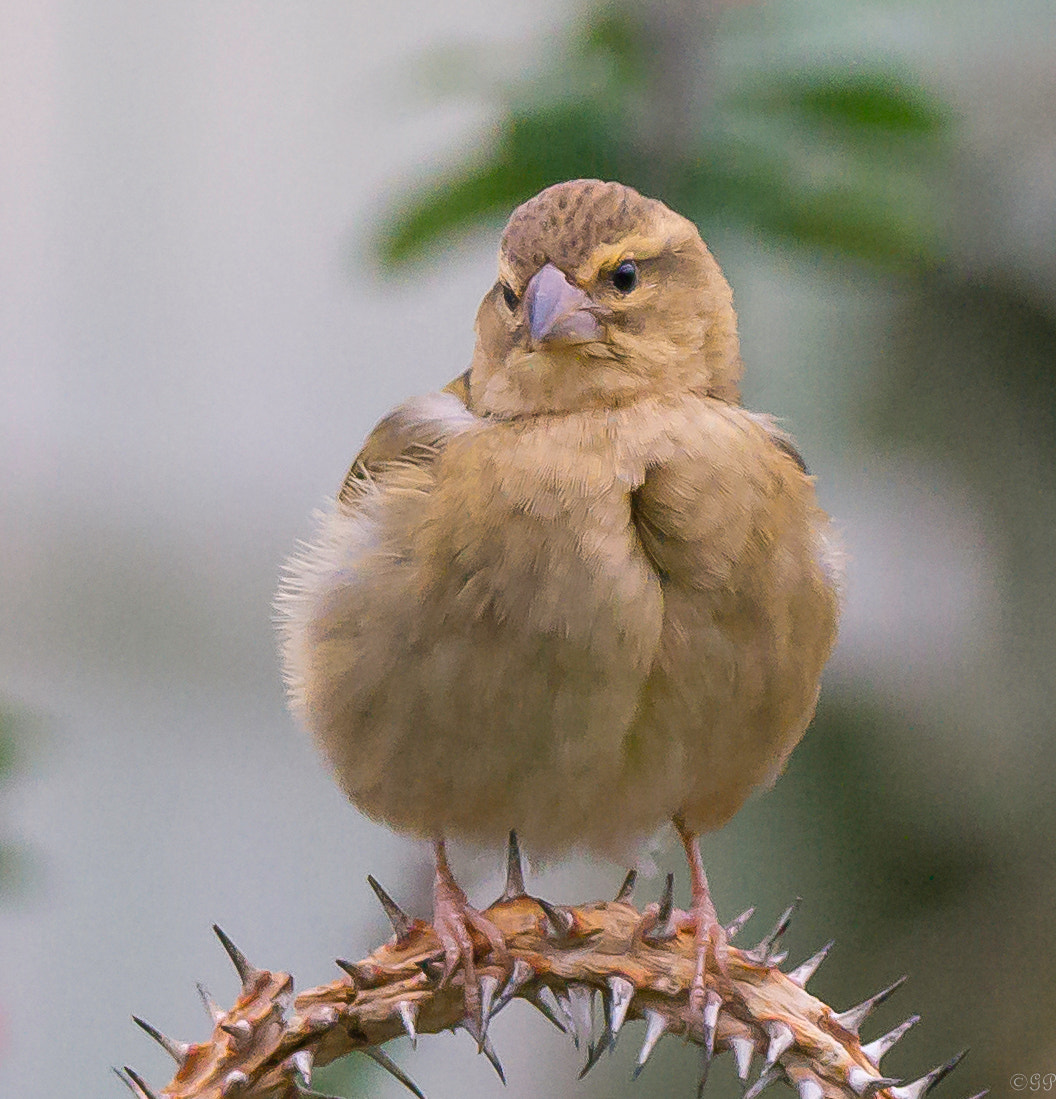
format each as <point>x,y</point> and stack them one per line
<point>744,554</point>
<point>717,508</point>
<point>781,439</point>
<point>408,439</point>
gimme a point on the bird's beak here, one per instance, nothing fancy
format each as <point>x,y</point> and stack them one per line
<point>559,312</point>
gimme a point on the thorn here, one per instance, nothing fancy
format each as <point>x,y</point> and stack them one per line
<point>622,993</point>
<point>656,1024</point>
<point>864,1083</point>
<point>246,972</point>
<point>366,975</point>
<point>301,1062</point>
<point>559,921</point>
<point>521,975</point>
<point>393,1069</point>
<point>875,1050</point>
<point>809,1088</point>
<point>240,1030</point>
<point>135,1083</point>
<point>353,970</point>
<point>667,900</point>
<point>514,871</point>
<point>981,1094</point>
<point>493,1059</point>
<point>922,1086</point>
<point>664,928</point>
<point>735,927</point>
<point>408,1015</point>
<point>781,1040</point>
<point>581,1007</point>
<point>762,954</point>
<point>401,922</point>
<point>176,1050</point>
<point>766,1078</point>
<point>712,1004</point>
<point>216,1013</point>
<point>484,1046</point>
<point>743,1051</point>
<point>234,1082</point>
<point>805,970</point>
<point>488,986</point>
<point>564,1005</point>
<point>627,889</point>
<point>546,1002</point>
<point>853,1017</point>
<point>786,918</point>
<point>595,1051</point>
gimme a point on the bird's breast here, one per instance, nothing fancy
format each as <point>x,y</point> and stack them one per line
<point>531,523</point>
<point>470,643</point>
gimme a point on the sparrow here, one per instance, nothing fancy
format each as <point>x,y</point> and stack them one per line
<point>580,591</point>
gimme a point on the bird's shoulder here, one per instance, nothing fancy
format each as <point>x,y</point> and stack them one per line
<point>406,442</point>
<point>720,483</point>
<point>700,433</point>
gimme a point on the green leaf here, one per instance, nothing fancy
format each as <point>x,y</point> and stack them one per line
<point>837,159</point>
<point>883,219</point>
<point>7,741</point>
<point>856,100</point>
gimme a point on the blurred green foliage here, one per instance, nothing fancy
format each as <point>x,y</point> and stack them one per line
<point>7,742</point>
<point>10,860</point>
<point>843,159</point>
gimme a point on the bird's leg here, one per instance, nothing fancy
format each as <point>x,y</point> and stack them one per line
<point>710,934</point>
<point>455,921</point>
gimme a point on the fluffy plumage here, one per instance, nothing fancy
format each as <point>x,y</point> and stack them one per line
<point>582,591</point>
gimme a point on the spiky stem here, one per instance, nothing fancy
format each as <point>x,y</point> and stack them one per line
<point>267,1044</point>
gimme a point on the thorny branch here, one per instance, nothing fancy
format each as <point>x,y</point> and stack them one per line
<point>561,959</point>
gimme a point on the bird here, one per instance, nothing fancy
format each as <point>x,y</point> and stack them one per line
<point>579,592</point>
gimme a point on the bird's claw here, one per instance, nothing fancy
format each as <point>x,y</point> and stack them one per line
<point>712,953</point>
<point>455,922</point>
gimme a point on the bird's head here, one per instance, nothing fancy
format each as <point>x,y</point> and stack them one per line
<point>603,297</point>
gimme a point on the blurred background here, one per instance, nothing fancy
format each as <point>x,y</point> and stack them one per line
<point>234,234</point>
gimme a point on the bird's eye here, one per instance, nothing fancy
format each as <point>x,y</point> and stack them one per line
<point>509,296</point>
<point>625,277</point>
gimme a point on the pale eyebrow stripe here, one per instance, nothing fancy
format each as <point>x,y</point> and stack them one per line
<point>635,246</point>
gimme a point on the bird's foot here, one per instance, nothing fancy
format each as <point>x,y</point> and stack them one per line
<point>712,951</point>
<point>711,946</point>
<point>455,922</point>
